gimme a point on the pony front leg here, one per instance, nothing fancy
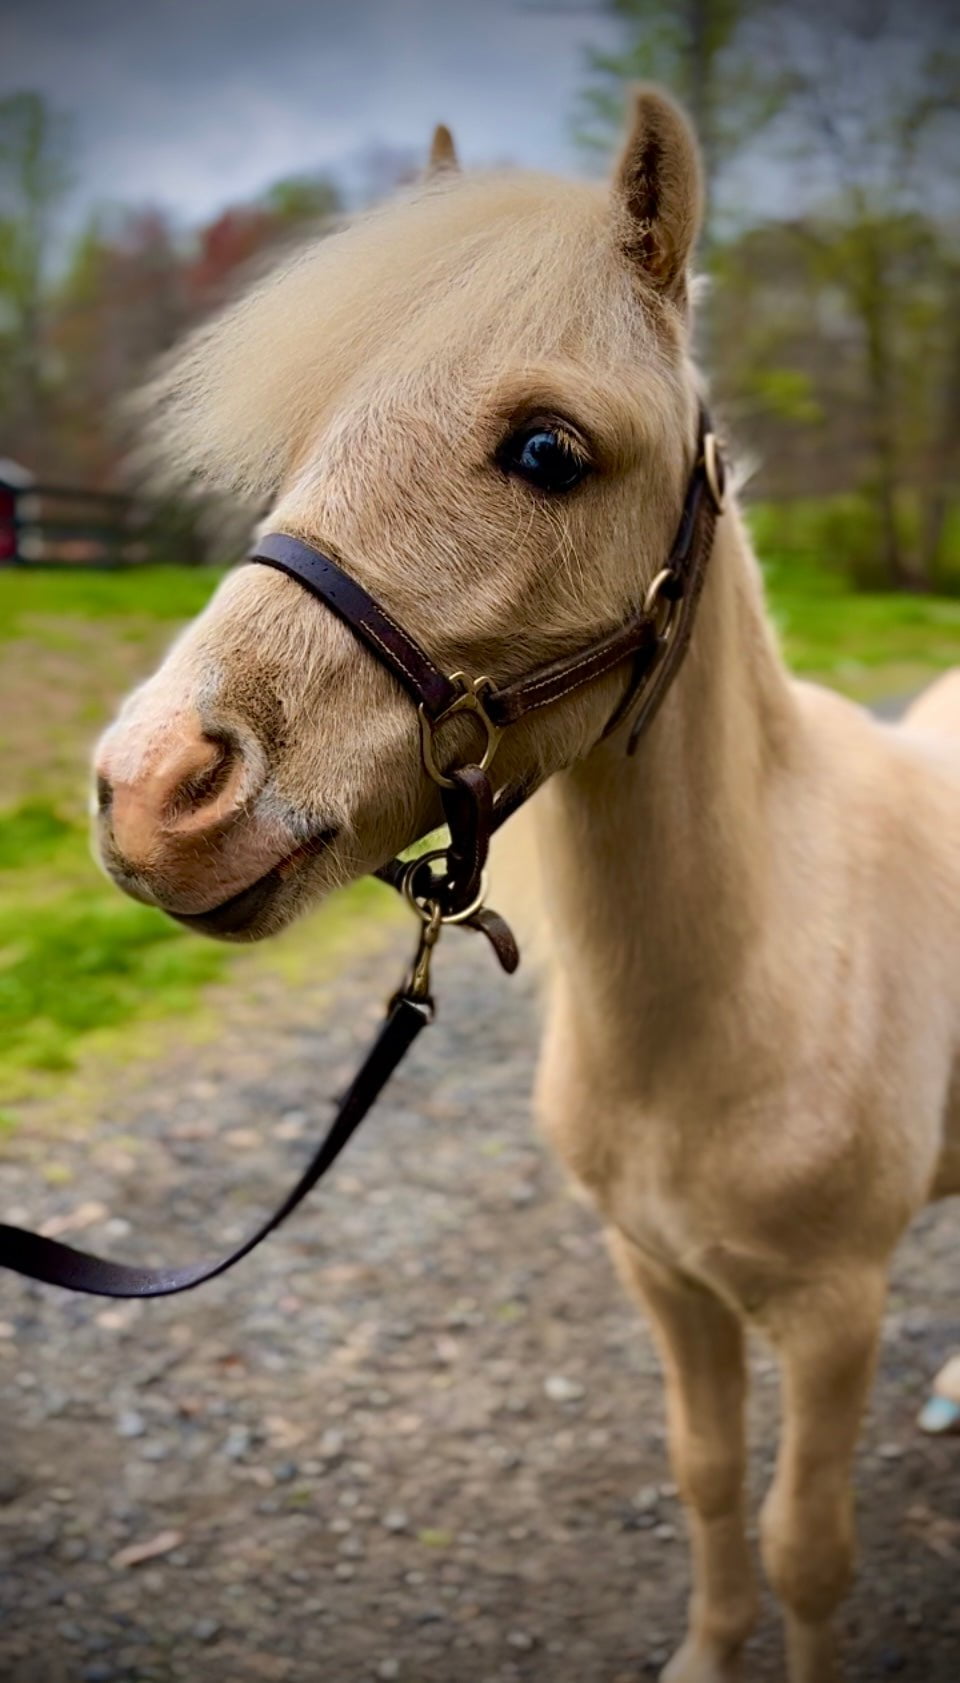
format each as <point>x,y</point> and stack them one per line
<point>701,1346</point>
<point>827,1340</point>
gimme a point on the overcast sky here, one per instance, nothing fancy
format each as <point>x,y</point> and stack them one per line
<point>195,103</point>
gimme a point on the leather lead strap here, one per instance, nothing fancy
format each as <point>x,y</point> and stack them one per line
<point>49,1260</point>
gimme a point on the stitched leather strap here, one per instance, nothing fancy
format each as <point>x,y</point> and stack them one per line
<point>551,683</point>
<point>636,639</point>
<point>370,623</point>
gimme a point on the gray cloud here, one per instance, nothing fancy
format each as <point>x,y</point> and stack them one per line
<point>193,103</point>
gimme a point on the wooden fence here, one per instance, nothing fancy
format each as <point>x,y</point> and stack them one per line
<point>66,526</point>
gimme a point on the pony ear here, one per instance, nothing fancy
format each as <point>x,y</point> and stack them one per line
<point>443,153</point>
<point>658,192</point>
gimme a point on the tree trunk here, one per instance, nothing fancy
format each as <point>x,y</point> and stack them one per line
<point>903,572</point>
<point>945,457</point>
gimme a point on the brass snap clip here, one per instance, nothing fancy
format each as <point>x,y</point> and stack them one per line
<point>432,920</point>
<point>469,701</point>
<point>418,981</point>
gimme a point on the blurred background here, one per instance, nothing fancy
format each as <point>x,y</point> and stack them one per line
<point>381,1450</point>
<point>151,158</point>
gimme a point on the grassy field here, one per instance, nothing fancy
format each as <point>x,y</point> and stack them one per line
<point>82,968</point>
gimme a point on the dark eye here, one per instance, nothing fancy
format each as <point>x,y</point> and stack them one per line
<point>545,456</point>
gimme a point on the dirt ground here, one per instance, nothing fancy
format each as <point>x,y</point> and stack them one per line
<point>420,1434</point>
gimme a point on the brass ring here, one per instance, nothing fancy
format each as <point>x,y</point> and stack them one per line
<point>655,601</point>
<point>426,907</point>
<point>714,470</point>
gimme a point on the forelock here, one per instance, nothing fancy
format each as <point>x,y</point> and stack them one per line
<point>484,271</point>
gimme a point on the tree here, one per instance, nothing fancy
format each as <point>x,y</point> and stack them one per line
<point>702,51</point>
<point>34,179</point>
<point>873,104</point>
<point>943,455</point>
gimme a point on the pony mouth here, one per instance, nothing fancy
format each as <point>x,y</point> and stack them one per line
<point>243,914</point>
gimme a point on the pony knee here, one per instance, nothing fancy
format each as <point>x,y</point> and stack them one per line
<point>710,1481</point>
<point>809,1555</point>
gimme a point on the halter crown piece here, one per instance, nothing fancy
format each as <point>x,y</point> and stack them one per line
<point>445,886</point>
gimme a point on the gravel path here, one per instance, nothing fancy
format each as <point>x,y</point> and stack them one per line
<point>419,1435</point>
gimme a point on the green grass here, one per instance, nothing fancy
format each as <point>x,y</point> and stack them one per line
<point>870,644</point>
<point>149,594</point>
<point>80,965</point>
<point>75,957</point>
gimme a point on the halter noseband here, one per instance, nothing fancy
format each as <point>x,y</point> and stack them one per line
<point>654,639</point>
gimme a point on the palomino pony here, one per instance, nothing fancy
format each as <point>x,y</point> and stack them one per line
<point>481,399</point>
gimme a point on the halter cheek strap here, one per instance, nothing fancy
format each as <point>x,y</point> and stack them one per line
<point>653,639</point>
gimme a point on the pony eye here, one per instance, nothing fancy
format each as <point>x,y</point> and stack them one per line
<point>545,456</point>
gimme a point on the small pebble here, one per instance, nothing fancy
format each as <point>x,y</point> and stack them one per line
<point>130,1424</point>
<point>12,1485</point>
<point>206,1630</point>
<point>560,1389</point>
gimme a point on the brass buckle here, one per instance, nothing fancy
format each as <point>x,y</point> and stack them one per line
<point>470,701</point>
<point>714,470</point>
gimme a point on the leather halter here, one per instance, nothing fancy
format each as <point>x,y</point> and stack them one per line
<point>653,639</point>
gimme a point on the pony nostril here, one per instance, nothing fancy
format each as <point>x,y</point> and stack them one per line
<point>203,782</point>
<point>188,786</point>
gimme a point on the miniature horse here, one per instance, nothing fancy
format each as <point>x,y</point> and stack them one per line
<point>481,398</point>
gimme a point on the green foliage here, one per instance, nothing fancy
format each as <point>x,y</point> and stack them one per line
<point>842,536</point>
<point>34,177</point>
<point>302,199</point>
<point>788,393</point>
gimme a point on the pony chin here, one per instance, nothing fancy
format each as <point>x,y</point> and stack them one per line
<point>268,905</point>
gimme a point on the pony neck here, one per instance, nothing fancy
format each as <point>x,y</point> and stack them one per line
<point>655,867</point>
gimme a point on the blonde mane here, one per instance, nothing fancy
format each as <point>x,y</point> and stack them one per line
<point>363,316</point>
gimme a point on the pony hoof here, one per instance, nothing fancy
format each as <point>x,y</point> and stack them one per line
<point>941,1411</point>
<point>694,1662</point>
<point>939,1416</point>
